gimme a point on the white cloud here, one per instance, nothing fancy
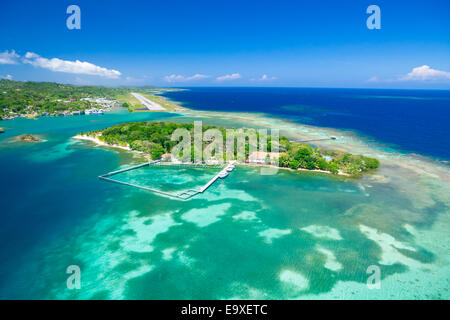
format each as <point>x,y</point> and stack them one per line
<point>373,79</point>
<point>77,67</point>
<point>425,73</point>
<point>174,78</point>
<point>197,77</point>
<point>9,57</point>
<point>180,78</point>
<point>264,77</point>
<point>7,77</point>
<point>233,76</point>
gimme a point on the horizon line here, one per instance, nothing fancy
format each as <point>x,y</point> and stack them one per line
<point>223,86</point>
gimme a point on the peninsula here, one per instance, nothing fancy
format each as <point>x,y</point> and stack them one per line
<point>153,138</point>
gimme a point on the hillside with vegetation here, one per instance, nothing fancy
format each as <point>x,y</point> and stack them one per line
<point>19,98</point>
<point>301,155</point>
<point>154,138</point>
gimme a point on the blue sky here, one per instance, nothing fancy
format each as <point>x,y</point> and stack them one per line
<point>228,43</point>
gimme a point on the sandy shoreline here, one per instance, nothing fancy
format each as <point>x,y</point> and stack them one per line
<point>347,141</point>
<point>98,142</point>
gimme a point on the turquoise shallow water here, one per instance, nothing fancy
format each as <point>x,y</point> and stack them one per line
<point>168,179</point>
<point>285,236</point>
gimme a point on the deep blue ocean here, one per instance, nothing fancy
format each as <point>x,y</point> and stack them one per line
<point>132,244</point>
<point>412,121</point>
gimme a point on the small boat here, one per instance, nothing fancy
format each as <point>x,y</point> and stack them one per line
<point>223,174</point>
<point>2,130</point>
<point>230,168</point>
<point>333,138</point>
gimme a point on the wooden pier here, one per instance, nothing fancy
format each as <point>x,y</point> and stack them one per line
<point>217,176</point>
<point>140,187</point>
<point>128,168</point>
<point>183,195</point>
<point>318,139</point>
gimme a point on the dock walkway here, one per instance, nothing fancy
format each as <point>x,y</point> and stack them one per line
<point>183,195</point>
<point>318,139</point>
<point>126,169</point>
<point>217,176</point>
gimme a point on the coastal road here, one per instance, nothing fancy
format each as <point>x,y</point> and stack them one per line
<point>150,105</point>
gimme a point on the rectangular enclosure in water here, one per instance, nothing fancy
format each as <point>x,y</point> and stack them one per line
<point>175,180</point>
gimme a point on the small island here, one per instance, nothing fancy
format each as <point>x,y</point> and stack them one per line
<point>28,138</point>
<point>153,138</point>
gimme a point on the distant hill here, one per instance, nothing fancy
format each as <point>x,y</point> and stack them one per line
<point>17,96</point>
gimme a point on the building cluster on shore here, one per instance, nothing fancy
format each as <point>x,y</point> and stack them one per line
<point>102,105</point>
<point>257,157</point>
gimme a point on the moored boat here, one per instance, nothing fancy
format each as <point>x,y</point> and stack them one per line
<point>223,174</point>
